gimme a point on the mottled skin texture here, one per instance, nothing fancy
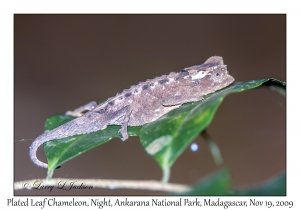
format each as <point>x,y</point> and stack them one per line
<point>142,103</point>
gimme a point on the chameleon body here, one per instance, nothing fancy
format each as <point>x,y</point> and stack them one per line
<point>142,103</point>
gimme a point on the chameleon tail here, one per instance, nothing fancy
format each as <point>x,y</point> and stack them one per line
<point>33,148</point>
<point>69,129</point>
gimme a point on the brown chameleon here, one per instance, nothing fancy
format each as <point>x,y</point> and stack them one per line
<point>142,103</point>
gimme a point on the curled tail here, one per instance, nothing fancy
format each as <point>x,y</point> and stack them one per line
<point>33,148</point>
<point>87,123</point>
<point>77,126</point>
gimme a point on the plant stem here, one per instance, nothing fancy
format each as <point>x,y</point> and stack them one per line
<point>49,174</point>
<point>214,149</point>
<point>166,175</point>
<point>105,183</point>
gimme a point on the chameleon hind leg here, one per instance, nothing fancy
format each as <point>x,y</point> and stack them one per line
<point>123,129</point>
<point>80,110</point>
<point>121,116</point>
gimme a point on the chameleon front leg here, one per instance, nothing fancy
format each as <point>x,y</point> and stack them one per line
<point>80,110</point>
<point>177,100</point>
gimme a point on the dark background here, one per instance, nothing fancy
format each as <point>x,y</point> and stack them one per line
<point>64,61</point>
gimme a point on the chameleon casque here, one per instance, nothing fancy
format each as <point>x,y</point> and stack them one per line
<point>142,103</point>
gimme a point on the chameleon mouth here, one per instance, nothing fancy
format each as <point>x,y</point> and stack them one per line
<point>229,79</point>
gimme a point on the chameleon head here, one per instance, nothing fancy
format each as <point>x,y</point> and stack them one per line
<point>212,76</point>
<point>219,76</point>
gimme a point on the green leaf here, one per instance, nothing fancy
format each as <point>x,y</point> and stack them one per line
<point>61,150</point>
<point>166,138</point>
<point>216,184</point>
<point>220,184</point>
<point>276,186</point>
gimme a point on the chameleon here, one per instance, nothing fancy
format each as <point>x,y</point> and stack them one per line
<point>142,103</point>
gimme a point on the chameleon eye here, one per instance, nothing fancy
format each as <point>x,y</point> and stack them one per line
<point>217,74</point>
